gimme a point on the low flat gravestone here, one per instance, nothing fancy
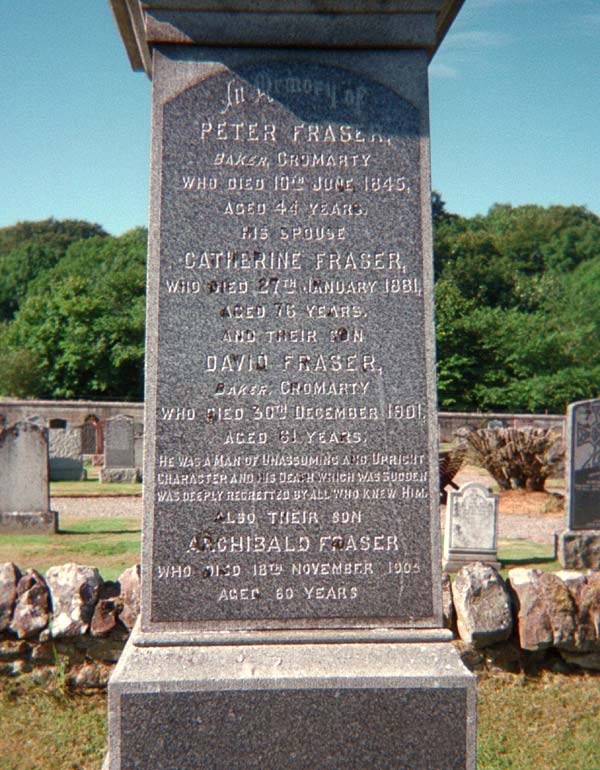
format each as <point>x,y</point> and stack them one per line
<point>471,527</point>
<point>291,612</point>
<point>24,491</point>
<point>579,545</point>
<point>119,451</point>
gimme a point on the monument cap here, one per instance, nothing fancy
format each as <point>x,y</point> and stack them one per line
<point>316,24</point>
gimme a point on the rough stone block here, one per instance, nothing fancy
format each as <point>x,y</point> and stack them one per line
<point>32,608</point>
<point>120,475</point>
<point>130,596</point>
<point>579,550</point>
<point>9,577</point>
<point>545,610</point>
<point>482,604</point>
<point>74,591</point>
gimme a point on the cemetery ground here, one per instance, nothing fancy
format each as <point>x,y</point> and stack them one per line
<point>548,719</point>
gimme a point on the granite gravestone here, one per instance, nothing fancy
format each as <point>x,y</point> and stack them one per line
<point>65,454</point>
<point>471,527</point>
<point>119,451</point>
<point>24,490</point>
<point>579,545</point>
<point>290,447</point>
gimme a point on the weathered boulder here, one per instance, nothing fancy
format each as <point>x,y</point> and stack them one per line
<point>580,550</point>
<point>130,596</point>
<point>585,591</point>
<point>74,592</point>
<point>448,613</point>
<point>9,577</point>
<point>32,608</point>
<point>105,617</point>
<point>90,676</point>
<point>545,609</point>
<point>482,604</point>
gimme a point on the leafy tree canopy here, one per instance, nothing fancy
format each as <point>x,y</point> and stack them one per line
<point>79,332</point>
<point>28,249</point>
<point>518,308</point>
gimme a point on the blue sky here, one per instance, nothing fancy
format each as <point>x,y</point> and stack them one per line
<point>514,93</point>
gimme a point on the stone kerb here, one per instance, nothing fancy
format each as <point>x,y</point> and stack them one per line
<point>471,527</point>
<point>579,544</point>
<point>24,484</point>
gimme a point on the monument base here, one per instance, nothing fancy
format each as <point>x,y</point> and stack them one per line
<point>29,522</point>
<point>579,549</point>
<point>120,475</point>
<point>376,705</point>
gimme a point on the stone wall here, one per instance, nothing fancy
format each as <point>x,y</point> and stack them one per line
<point>73,618</point>
<point>73,412</point>
<point>69,617</point>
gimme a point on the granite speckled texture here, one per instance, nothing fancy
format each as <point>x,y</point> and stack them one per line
<point>290,386</point>
<point>295,706</point>
<point>325,24</point>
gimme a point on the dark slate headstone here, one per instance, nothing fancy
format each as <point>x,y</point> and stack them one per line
<point>290,377</point>
<point>584,465</point>
<point>579,545</point>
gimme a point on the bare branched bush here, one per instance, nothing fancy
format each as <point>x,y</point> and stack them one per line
<point>521,458</point>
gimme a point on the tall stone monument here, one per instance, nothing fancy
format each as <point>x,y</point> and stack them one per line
<point>579,544</point>
<point>291,569</point>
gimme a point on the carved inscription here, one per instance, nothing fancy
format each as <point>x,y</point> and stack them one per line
<point>292,478</point>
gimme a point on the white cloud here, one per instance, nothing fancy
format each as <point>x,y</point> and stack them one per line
<point>475,38</point>
<point>441,70</point>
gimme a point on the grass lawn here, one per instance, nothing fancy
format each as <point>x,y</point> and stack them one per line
<point>546,723</point>
<point>524,553</point>
<point>92,488</point>
<point>551,722</point>
<point>111,544</point>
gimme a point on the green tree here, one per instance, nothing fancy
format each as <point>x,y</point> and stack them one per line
<point>28,249</point>
<point>518,308</point>
<point>81,325</point>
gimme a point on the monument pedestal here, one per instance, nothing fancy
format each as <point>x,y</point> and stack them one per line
<point>273,706</point>
<point>579,549</point>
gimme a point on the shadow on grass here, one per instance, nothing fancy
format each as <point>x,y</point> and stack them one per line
<point>527,560</point>
<point>99,532</point>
